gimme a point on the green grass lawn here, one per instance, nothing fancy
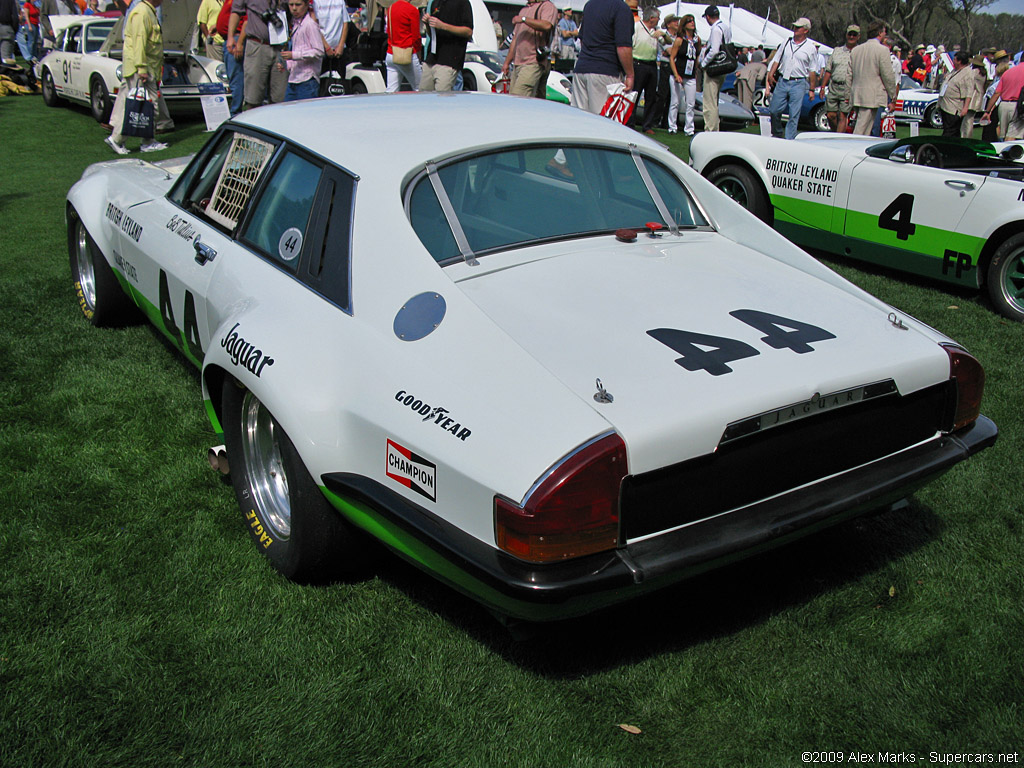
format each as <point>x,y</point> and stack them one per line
<point>139,626</point>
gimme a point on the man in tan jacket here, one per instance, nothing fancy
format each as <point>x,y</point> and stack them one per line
<point>874,82</point>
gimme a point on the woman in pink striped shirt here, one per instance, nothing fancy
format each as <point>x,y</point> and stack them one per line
<point>306,54</point>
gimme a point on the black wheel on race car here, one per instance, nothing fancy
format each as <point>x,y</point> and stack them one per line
<point>933,117</point>
<point>96,287</point>
<point>928,155</point>
<point>468,80</point>
<point>358,86</point>
<point>744,187</point>
<point>99,100</point>
<point>50,97</point>
<point>1005,278</point>
<point>819,118</point>
<point>285,512</point>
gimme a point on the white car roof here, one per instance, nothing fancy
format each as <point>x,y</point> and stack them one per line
<point>368,133</point>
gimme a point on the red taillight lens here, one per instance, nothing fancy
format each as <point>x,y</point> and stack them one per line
<point>969,376</point>
<point>573,512</point>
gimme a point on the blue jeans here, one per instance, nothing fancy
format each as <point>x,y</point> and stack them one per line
<point>307,89</point>
<point>787,97</point>
<point>236,79</point>
<point>27,39</point>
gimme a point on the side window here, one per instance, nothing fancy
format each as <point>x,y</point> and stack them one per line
<point>279,222</point>
<point>430,224</point>
<point>74,39</point>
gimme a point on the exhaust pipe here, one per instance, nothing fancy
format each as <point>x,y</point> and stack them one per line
<point>218,458</point>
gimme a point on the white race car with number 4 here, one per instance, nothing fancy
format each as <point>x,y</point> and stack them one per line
<point>553,391</point>
<point>947,209</point>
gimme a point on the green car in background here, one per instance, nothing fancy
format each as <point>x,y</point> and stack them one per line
<point>949,209</point>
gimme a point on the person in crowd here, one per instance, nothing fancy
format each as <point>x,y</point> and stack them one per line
<point>28,33</point>
<point>645,64</point>
<point>233,57</point>
<point>92,8</point>
<point>747,78</point>
<point>977,102</point>
<point>916,66</point>
<point>719,36</point>
<point>10,20</point>
<point>874,83</point>
<point>403,33</point>
<point>499,33</point>
<point>206,18</point>
<point>50,8</point>
<point>304,57</point>
<point>333,18</point>
<point>530,51</point>
<point>1006,95</point>
<point>792,72</point>
<point>263,75</point>
<point>449,26</point>
<point>836,81</point>
<point>634,8</point>
<point>606,53</point>
<point>669,30</point>
<point>683,56</point>
<point>567,36</point>
<point>142,64</point>
<point>955,100</point>
<point>990,127</point>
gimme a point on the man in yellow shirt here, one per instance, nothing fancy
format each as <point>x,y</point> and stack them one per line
<point>209,10</point>
<point>142,65</point>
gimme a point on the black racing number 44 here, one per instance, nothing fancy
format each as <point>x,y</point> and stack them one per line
<point>703,352</point>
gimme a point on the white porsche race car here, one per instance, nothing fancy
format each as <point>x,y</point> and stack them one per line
<point>948,209</point>
<point>552,391</point>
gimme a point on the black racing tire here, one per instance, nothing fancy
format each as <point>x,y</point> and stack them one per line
<point>740,183</point>
<point>358,86</point>
<point>99,294</point>
<point>99,100</point>
<point>928,155</point>
<point>286,514</point>
<point>933,117</point>
<point>819,118</point>
<point>1004,278</point>
<point>468,80</point>
<point>50,97</point>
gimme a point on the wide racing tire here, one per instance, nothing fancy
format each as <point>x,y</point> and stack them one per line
<point>99,294</point>
<point>740,183</point>
<point>286,514</point>
<point>99,100</point>
<point>50,97</point>
<point>1005,278</point>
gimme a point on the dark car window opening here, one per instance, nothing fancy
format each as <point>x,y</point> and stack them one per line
<point>515,197</point>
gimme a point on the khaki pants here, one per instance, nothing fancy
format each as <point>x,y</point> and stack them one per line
<point>712,87</point>
<point>590,91</point>
<point>437,77</point>
<point>162,116</point>
<point>262,74</point>
<point>530,80</point>
<point>865,120</point>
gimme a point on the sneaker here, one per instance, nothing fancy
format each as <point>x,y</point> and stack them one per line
<point>121,149</point>
<point>153,146</point>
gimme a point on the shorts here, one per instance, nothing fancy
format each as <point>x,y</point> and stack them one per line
<point>838,97</point>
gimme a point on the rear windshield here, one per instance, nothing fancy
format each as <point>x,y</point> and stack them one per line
<point>514,197</point>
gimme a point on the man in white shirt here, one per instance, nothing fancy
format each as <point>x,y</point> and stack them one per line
<point>721,34</point>
<point>792,72</point>
<point>333,18</point>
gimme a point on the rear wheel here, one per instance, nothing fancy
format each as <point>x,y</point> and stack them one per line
<point>99,100</point>
<point>96,287</point>
<point>50,97</point>
<point>358,86</point>
<point>744,187</point>
<point>285,512</point>
<point>1005,278</point>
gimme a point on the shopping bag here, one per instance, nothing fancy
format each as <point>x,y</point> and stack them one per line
<point>620,103</point>
<point>138,115</point>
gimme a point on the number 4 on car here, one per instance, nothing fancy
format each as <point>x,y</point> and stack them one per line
<point>545,364</point>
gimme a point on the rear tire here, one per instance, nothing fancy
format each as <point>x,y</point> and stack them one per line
<point>99,100</point>
<point>97,289</point>
<point>358,86</point>
<point>744,187</point>
<point>285,512</point>
<point>1005,278</point>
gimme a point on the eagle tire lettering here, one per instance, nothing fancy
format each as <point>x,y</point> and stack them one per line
<point>99,294</point>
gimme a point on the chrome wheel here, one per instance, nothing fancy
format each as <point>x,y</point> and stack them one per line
<point>1006,278</point>
<point>261,449</point>
<point>86,267</point>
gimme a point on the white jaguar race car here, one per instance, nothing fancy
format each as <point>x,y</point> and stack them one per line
<point>551,390</point>
<point>948,209</point>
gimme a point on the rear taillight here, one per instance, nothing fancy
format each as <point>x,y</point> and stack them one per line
<point>969,376</point>
<point>574,511</point>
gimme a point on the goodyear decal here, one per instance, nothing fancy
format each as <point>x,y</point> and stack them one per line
<point>411,470</point>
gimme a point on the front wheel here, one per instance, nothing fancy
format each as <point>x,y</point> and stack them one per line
<point>744,187</point>
<point>819,118</point>
<point>933,117</point>
<point>99,100</point>
<point>1005,278</point>
<point>285,512</point>
<point>50,97</point>
<point>99,294</point>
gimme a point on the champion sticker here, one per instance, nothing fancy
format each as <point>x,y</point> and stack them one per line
<point>290,244</point>
<point>411,470</point>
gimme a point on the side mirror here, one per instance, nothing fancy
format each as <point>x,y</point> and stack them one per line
<point>1014,152</point>
<point>904,154</point>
